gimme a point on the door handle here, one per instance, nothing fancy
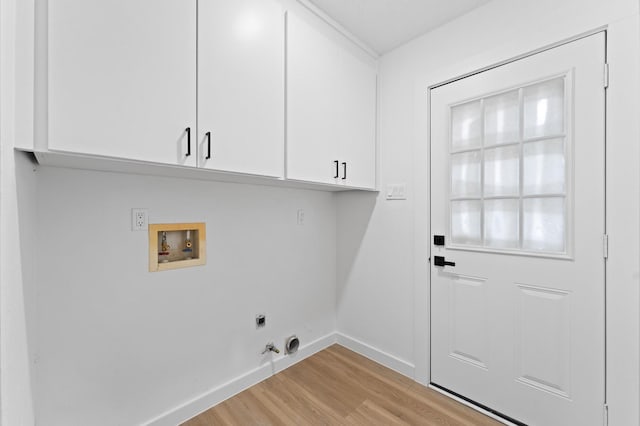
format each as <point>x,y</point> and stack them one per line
<point>337,163</point>
<point>188,130</point>
<point>344,171</point>
<point>208,135</point>
<point>441,261</point>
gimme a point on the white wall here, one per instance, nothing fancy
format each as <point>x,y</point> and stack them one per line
<point>120,345</point>
<point>17,287</point>
<point>383,269</point>
<point>17,220</point>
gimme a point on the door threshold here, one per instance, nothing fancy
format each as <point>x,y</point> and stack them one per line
<point>477,407</point>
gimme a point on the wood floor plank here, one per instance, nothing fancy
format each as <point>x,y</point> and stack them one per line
<point>412,406</point>
<point>458,412</point>
<point>325,386</point>
<point>393,396</point>
<point>372,366</point>
<point>307,402</point>
<point>284,413</point>
<point>370,413</point>
<point>339,387</point>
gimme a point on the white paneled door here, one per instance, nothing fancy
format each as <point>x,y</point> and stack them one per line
<point>517,213</point>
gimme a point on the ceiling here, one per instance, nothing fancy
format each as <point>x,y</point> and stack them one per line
<point>386,24</point>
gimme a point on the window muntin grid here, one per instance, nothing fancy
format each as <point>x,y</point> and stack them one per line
<point>508,174</point>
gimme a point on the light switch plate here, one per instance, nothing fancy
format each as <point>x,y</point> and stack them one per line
<point>397,191</point>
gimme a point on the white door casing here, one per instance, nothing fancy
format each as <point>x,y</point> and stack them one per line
<point>517,324</point>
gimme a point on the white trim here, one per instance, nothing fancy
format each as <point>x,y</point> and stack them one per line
<point>136,167</point>
<point>394,363</point>
<point>342,30</point>
<point>622,225</point>
<point>472,406</point>
<point>517,57</point>
<point>225,391</point>
<point>422,246</point>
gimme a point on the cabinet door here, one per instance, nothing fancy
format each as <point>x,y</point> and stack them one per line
<point>241,86</point>
<point>312,98</point>
<point>331,109</point>
<point>122,78</point>
<point>357,113</point>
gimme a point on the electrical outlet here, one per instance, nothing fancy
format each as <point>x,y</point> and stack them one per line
<point>139,219</point>
<point>300,217</point>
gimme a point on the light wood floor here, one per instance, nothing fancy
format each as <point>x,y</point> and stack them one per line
<point>339,387</point>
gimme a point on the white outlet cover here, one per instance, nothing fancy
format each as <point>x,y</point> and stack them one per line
<point>139,219</point>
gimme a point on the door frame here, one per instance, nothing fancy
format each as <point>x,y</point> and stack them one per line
<point>422,299</point>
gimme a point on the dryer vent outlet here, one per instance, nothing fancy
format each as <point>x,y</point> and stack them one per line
<point>291,345</point>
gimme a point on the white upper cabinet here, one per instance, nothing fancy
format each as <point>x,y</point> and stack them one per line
<point>331,109</point>
<point>122,79</point>
<point>241,86</point>
<point>210,84</point>
<point>357,130</point>
<point>312,81</point>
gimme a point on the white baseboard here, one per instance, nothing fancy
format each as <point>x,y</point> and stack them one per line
<point>215,396</point>
<point>403,367</point>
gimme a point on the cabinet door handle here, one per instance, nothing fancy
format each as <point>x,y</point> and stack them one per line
<point>208,135</point>
<point>337,163</point>
<point>344,171</point>
<point>188,142</point>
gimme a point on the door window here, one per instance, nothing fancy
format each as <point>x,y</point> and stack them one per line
<point>509,170</point>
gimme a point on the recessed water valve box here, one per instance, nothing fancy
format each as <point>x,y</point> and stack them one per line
<point>176,245</point>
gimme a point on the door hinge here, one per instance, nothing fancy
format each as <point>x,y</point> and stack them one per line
<point>606,75</point>
<point>605,246</point>
<point>605,415</point>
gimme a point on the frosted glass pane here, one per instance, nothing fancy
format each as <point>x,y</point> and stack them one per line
<point>465,222</point>
<point>501,219</point>
<point>465,126</point>
<point>502,171</point>
<point>544,167</point>
<point>502,119</point>
<point>543,224</point>
<point>544,109</point>
<point>465,174</point>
